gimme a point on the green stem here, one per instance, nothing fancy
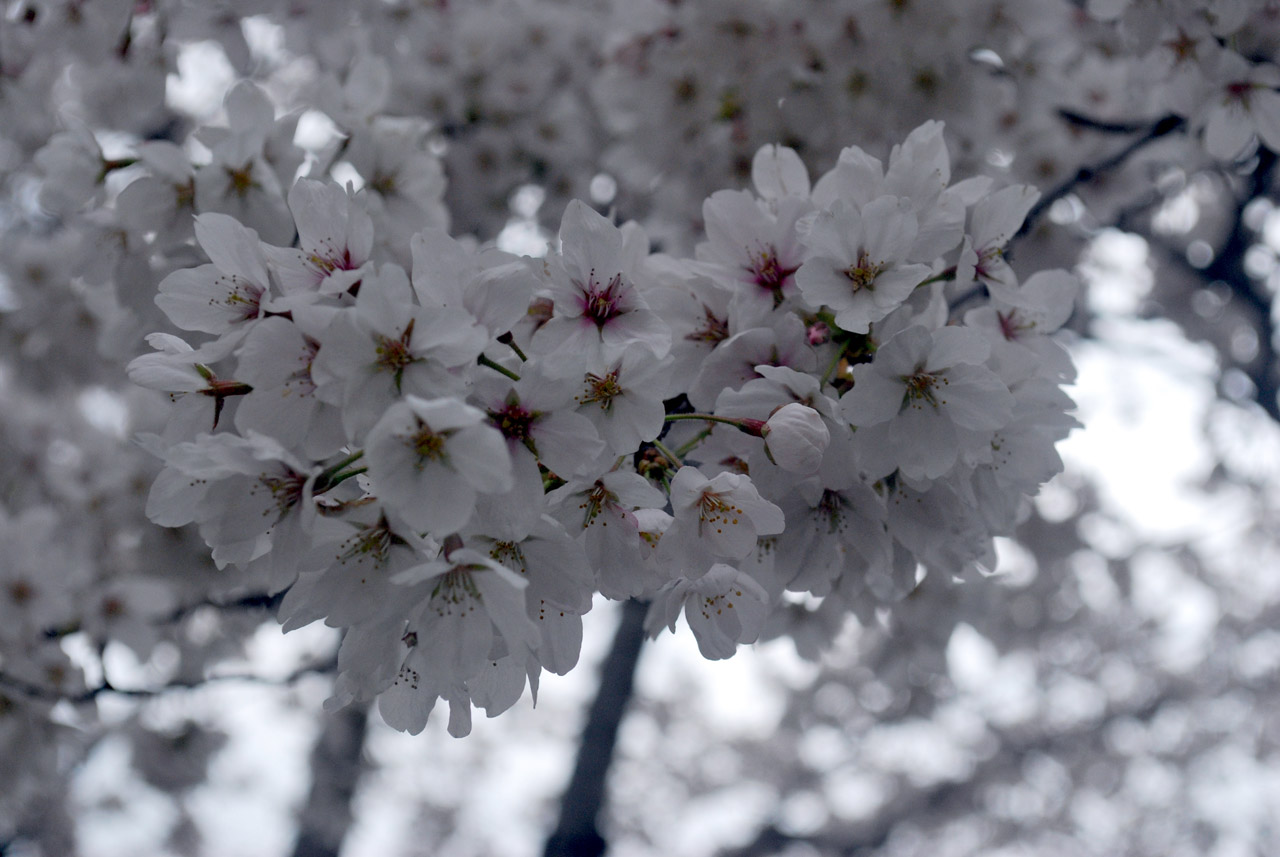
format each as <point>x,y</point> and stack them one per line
<point>115,164</point>
<point>688,446</point>
<point>942,276</point>
<point>339,478</point>
<point>711,418</point>
<point>333,475</point>
<point>349,460</point>
<point>497,367</point>
<point>668,454</point>
<point>826,375</point>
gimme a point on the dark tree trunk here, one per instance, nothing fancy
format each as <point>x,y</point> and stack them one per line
<point>335,771</point>
<point>577,834</point>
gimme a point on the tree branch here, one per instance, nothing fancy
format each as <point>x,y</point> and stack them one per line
<point>1227,267</point>
<point>1162,127</point>
<point>48,694</point>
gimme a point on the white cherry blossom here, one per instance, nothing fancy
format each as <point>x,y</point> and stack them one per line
<point>924,400</point>
<point>599,309</point>
<point>428,458</point>
<point>856,261</point>
<point>724,608</point>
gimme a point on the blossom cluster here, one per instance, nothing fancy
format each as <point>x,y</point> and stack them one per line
<point>845,388</point>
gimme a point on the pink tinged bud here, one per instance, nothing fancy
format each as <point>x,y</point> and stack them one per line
<point>818,333</point>
<point>796,438</point>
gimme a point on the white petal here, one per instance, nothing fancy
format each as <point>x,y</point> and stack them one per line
<point>777,171</point>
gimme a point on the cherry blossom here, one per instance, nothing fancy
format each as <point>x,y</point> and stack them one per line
<point>429,458</point>
<point>924,401</point>
<point>856,261</point>
<point>599,309</point>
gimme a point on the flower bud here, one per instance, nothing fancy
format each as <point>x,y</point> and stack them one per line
<point>795,438</point>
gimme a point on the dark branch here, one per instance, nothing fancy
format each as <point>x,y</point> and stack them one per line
<point>32,690</point>
<point>1162,127</point>
<point>1227,268</point>
<point>252,601</point>
<point>1080,120</point>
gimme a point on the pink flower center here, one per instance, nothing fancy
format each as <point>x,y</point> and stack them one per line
<point>769,272</point>
<point>1239,91</point>
<point>1012,327</point>
<point>602,303</point>
<point>515,422</point>
<point>244,298</point>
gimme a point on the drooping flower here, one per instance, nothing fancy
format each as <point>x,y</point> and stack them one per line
<point>225,294</point>
<point>717,518</point>
<point>994,220</point>
<point>723,607</point>
<point>753,248</point>
<point>335,239</point>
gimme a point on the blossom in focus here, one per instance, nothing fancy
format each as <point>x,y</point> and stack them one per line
<point>924,400</point>
<point>724,607</point>
<point>855,263</point>
<point>599,310</point>
<point>429,457</point>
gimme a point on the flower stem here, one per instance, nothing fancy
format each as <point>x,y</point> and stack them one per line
<point>668,454</point>
<point>688,446</point>
<point>711,418</point>
<point>333,475</point>
<point>349,460</point>
<point>339,478</point>
<point>940,277</point>
<point>743,424</point>
<point>498,367</point>
<point>831,367</point>
<point>114,164</point>
<point>510,341</point>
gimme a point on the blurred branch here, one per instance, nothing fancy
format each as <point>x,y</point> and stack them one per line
<point>335,773</point>
<point>252,601</point>
<point>1106,126</point>
<point>1161,127</point>
<point>1227,268</point>
<point>48,694</point>
<point>577,833</point>
<point>867,838</point>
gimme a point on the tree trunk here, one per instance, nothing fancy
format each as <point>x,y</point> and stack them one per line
<point>577,833</point>
<point>335,771</point>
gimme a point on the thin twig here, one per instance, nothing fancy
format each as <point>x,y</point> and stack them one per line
<point>48,694</point>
